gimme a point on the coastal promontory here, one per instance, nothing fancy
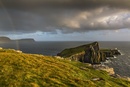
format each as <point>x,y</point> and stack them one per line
<point>89,53</point>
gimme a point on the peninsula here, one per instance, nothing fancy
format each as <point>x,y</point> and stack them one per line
<point>89,53</point>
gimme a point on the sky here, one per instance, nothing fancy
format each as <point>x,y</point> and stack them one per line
<point>66,20</point>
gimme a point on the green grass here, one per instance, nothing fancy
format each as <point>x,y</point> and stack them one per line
<point>75,50</point>
<point>32,70</point>
<point>71,51</point>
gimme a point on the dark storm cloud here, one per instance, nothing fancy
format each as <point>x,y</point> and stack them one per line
<point>65,3</point>
<point>66,15</point>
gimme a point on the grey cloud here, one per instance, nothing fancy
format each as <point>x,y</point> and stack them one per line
<point>30,16</point>
<point>65,3</point>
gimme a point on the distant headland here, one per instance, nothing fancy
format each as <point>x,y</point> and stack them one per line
<point>7,39</point>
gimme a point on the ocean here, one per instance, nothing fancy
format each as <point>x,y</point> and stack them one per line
<point>121,64</point>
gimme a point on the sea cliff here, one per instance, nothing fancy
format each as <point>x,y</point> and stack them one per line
<point>89,53</point>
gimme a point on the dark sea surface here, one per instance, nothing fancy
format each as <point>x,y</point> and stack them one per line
<point>121,64</point>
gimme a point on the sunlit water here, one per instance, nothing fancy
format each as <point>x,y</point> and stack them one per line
<point>121,64</point>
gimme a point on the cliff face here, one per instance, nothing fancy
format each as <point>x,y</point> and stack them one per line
<point>89,53</point>
<point>92,54</point>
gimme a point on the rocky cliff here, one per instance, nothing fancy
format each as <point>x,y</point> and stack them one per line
<point>89,53</point>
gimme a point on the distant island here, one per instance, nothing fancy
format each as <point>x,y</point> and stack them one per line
<point>6,39</point>
<point>25,40</point>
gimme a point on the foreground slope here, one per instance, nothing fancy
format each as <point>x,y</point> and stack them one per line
<point>31,70</point>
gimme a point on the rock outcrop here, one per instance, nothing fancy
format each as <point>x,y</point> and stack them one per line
<point>89,53</point>
<point>104,68</point>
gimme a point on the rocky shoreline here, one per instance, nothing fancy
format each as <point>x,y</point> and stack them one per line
<point>110,71</point>
<point>103,67</point>
<point>92,54</point>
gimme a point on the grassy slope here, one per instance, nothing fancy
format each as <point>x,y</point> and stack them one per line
<point>71,51</point>
<point>32,70</point>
